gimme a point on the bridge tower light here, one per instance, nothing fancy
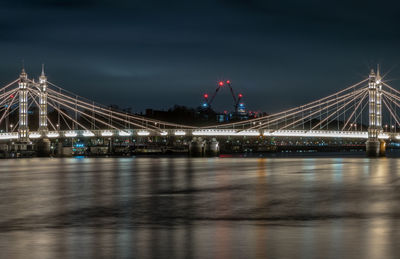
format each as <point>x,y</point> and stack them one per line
<point>43,102</point>
<point>374,146</point>
<point>378,100</point>
<point>23,129</point>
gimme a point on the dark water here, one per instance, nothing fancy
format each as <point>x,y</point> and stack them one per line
<point>200,208</point>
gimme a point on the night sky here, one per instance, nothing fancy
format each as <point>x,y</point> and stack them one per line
<point>143,54</point>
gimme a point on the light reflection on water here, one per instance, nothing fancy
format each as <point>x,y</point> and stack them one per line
<point>199,208</point>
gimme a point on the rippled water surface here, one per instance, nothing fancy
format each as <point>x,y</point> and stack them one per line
<point>200,208</point>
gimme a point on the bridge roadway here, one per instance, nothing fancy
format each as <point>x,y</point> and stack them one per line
<point>199,133</point>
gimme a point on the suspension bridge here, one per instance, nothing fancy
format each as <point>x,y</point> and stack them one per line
<point>366,111</point>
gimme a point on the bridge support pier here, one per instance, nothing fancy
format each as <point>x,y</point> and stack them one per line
<point>43,147</point>
<point>376,148</point>
<point>212,147</point>
<point>199,147</point>
<point>373,147</point>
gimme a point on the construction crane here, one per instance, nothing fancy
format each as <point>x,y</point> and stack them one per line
<point>237,105</point>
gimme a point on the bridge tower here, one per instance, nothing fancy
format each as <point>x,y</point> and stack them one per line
<point>374,146</point>
<point>23,129</point>
<point>43,102</point>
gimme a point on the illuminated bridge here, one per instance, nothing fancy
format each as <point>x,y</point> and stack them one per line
<point>365,111</point>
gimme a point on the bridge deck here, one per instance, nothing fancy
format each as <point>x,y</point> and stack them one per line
<point>200,133</point>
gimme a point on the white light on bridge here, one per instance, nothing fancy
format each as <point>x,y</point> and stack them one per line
<point>383,136</point>
<point>106,133</point>
<point>88,134</point>
<point>317,133</point>
<point>164,133</point>
<point>124,133</point>
<point>34,135</point>
<point>180,133</point>
<point>71,134</point>
<point>53,134</point>
<point>220,132</point>
<point>143,133</point>
<point>248,133</point>
<point>8,135</point>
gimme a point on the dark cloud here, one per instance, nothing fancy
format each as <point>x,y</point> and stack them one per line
<point>158,53</point>
<point>37,4</point>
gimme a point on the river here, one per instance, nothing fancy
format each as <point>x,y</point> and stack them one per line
<point>178,207</point>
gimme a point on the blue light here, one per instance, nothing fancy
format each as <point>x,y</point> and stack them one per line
<point>204,104</point>
<point>79,145</point>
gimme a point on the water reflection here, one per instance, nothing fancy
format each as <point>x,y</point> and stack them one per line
<point>199,208</point>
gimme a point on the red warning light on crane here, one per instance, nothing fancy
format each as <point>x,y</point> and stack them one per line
<point>12,96</point>
<point>240,95</point>
<point>205,96</point>
<point>221,83</point>
<point>228,82</point>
